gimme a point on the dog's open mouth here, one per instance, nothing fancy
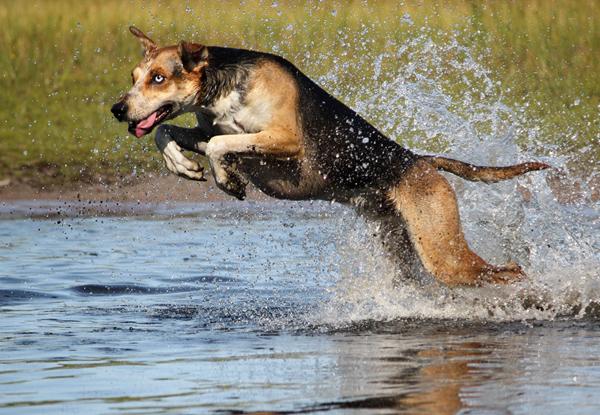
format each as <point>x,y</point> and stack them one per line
<point>145,126</point>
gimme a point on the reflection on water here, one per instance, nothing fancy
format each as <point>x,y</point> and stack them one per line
<point>454,367</point>
<point>238,308</point>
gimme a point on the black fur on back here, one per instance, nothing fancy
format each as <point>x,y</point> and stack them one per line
<point>358,154</point>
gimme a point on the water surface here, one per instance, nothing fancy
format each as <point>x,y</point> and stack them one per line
<point>242,307</point>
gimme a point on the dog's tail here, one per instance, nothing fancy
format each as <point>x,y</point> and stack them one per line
<point>483,173</point>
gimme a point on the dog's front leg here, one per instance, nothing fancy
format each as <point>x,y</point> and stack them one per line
<point>170,139</point>
<point>223,151</point>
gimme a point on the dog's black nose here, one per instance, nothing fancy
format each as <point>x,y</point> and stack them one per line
<point>119,110</point>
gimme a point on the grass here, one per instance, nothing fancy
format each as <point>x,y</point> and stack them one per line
<point>64,62</point>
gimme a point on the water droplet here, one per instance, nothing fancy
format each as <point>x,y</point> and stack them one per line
<point>406,19</point>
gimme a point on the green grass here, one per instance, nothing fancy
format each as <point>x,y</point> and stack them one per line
<point>63,63</point>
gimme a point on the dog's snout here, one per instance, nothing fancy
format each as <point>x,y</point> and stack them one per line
<point>119,110</point>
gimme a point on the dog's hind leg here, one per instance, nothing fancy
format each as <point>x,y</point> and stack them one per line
<point>399,248</point>
<point>428,205</point>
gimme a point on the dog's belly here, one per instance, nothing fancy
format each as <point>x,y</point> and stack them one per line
<point>282,179</point>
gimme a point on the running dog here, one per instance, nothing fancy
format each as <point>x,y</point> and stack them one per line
<point>262,121</point>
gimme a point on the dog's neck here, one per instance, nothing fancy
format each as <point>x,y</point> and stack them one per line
<point>223,75</point>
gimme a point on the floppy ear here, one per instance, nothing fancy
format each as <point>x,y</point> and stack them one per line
<point>146,42</point>
<point>193,56</point>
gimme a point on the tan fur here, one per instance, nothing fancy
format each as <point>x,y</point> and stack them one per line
<point>272,92</point>
<point>147,43</point>
<point>273,82</point>
<point>483,173</point>
<point>427,203</point>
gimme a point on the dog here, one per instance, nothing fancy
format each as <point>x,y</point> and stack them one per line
<point>262,121</point>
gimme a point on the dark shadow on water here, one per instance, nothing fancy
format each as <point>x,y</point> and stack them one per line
<point>437,326</point>
<point>22,296</point>
<point>126,289</point>
<point>193,282</point>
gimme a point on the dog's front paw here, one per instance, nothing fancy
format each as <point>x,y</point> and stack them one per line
<point>234,186</point>
<point>180,164</point>
<point>229,181</point>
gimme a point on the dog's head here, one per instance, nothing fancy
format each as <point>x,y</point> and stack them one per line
<point>165,84</point>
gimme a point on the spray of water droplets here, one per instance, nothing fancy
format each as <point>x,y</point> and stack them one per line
<point>557,243</point>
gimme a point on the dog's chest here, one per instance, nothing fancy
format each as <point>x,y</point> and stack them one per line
<point>234,116</point>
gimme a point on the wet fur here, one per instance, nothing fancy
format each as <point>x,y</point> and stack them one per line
<point>261,120</point>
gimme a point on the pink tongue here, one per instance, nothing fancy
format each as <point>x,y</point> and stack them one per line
<point>145,125</point>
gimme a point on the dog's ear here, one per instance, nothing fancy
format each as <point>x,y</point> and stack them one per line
<point>193,56</point>
<point>146,42</point>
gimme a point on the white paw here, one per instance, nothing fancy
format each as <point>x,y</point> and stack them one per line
<point>180,164</point>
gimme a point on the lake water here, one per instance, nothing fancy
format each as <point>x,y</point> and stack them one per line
<point>278,307</point>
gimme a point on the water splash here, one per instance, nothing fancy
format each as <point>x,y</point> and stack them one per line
<point>557,243</point>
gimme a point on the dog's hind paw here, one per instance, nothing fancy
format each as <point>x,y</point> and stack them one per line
<point>506,274</point>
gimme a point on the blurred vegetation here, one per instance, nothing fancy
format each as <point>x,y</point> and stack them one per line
<point>64,62</point>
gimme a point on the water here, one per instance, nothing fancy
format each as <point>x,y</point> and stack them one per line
<point>242,307</point>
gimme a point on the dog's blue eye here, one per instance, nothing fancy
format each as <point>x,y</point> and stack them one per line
<point>158,78</point>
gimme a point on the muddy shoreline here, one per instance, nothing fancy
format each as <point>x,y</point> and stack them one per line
<point>164,188</point>
<point>155,188</point>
